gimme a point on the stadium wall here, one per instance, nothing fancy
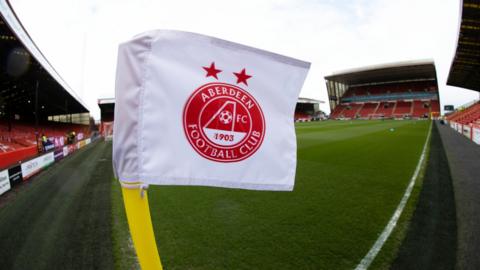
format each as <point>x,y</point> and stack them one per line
<point>471,131</point>
<point>19,173</point>
<point>11,157</point>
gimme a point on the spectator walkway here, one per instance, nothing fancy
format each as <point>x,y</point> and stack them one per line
<point>464,160</point>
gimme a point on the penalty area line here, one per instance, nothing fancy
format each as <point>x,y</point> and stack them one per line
<point>375,249</point>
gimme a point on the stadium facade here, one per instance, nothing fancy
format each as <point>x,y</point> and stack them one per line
<point>308,109</point>
<point>402,90</point>
<point>107,116</point>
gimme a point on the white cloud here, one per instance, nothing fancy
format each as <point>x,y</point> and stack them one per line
<point>80,38</point>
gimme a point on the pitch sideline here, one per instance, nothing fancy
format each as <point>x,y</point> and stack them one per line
<point>377,246</point>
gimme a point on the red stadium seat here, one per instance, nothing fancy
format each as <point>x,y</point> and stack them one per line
<point>385,109</point>
<point>403,108</point>
<point>22,136</point>
<point>421,109</point>
<point>351,111</point>
<point>368,109</point>
<point>338,111</point>
<point>470,115</point>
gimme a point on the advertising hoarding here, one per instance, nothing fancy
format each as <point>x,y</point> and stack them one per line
<point>65,151</point>
<point>467,131</point>
<point>15,175</point>
<point>33,166</point>
<point>4,182</point>
<point>476,134</point>
<point>58,154</point>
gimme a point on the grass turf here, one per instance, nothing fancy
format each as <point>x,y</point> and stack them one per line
<point>123,249</point>
<point>350,178</point>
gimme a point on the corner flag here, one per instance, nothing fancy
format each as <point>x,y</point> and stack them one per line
<point>196,110</point>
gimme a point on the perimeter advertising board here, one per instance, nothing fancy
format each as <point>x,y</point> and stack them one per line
<point>72,148</point>
<point>33,166</point>
<point>476,134</point>
<point>65,151</point>
<point>467,131</point>
<point>58,154</point>
<point>15,175</point>
<point>80,144</point>
<point>49,147</point>
<point>4,182</point>
<point>58,141</point>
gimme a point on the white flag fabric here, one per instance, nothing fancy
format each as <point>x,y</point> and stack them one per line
<point>197,110</point>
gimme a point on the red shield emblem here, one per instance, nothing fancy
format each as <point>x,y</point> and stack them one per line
<point>223,122</point>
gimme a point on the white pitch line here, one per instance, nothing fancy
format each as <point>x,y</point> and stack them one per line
<point>372,253</point>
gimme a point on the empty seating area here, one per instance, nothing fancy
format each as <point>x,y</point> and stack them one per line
<point>352,110</point>
<point>385,109</point>
<point>470,115</point>
<point>389,100</point>
<point>18,140</point>
<point>367,110</point>
<point>23,135</point>
<point>390,89</point>
<point>421,109</point>
<point>435,106</point>
<point>302,116</point>
<point>403,108</point>
<point>338,111</point>
<point>15,139</point>
<point>417,109</point>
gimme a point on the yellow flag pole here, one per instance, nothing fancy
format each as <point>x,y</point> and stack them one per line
<point>141,229</point>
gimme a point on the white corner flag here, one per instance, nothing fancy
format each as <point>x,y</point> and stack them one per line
<point>197,110</point>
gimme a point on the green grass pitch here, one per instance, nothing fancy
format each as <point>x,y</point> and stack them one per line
<point>350,177</point>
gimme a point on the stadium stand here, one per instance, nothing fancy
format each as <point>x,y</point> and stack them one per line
<point>351,111</point>
<point>339,111</point>
<point>397,90</point>
<point>107,116</point>
<point>421,108</point>
<point>368,109</point>
<point>31,94</point>
<point>308,109</point>
<point>403,108</point>
<point>467,114</point>
<point>385,109</point>
<point>464,71</point>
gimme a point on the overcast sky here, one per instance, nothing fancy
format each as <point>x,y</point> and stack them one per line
<point>80,37</point>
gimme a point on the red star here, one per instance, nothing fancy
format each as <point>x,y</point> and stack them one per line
<point>212,71</point>
<point>242,77</point>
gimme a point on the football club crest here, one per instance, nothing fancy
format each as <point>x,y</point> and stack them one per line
<point>222,121</point>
